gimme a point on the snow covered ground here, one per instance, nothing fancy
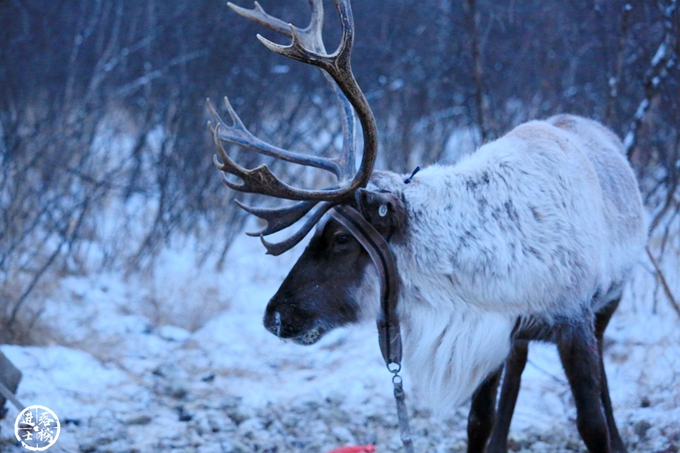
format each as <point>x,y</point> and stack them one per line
<point>177,360</point>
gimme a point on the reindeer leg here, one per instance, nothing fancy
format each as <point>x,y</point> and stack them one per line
<point>578,350</point>
<point>482,413</point>
<point>601,321</point>
<point>514,366</point>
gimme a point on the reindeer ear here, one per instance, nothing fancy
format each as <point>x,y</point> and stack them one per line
<point>384,210</point>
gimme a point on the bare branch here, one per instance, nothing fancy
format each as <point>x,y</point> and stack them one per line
<point>663,61</point>
<point>664,282</point>
<point>478,72</point>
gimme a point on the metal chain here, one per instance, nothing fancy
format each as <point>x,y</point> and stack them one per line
<point>402,413</point>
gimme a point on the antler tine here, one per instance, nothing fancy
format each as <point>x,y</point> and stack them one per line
<point>278,218</point>
<point>240,135</point>
<point>315,27</point>
<point>259,180</point>
<point>344,50</point>
<point>313,52</point>
<point>310,35</point>
<point>257,14</point>
<point>283,246</point>
<point>346,159</point>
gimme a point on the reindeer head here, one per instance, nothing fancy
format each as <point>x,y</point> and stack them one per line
<point>334,282</point>
<point>330,283</point>
<point>324,289</point>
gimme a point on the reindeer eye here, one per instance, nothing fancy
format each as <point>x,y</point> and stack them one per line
<point>342,239</point>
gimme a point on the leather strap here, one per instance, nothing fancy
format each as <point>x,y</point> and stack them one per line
<point>389,333</point>
<point>377,248</point>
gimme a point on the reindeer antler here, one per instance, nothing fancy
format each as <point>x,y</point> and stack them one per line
<point>306,46</point>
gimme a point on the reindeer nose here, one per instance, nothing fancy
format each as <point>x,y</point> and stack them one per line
<point>272,322</point>
<point>277,323</point>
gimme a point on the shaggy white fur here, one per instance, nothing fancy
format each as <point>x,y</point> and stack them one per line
<point>533,224</point>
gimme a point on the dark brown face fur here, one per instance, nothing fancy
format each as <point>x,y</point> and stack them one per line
<point>317,295</point>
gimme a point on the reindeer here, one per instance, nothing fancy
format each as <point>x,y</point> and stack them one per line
<point>530,238</point>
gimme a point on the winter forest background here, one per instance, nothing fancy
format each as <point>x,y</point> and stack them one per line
<point>106,172</point>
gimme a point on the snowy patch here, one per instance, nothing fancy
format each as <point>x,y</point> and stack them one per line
<point>127,383</point>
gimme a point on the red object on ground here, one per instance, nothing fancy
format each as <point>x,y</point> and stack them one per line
<point>355,449</point>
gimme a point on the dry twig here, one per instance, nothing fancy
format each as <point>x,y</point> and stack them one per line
<point>664,282</point>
